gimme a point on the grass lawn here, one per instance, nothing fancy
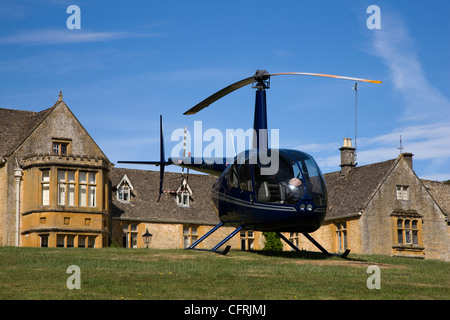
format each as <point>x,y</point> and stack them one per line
<point>148,274</point>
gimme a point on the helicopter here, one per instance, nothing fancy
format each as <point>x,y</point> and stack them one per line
<point>249,196</point>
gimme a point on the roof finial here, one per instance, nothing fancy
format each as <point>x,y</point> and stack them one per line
<point>60,97</point>
<point>401,145</point>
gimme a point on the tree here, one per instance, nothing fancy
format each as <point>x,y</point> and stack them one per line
<point>273,242</point>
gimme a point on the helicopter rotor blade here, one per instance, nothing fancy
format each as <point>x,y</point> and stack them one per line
<point>259,76</point>
<point>219,94</point>
<point>325,75</point>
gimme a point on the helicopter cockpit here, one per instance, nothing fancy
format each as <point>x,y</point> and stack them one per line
<point>298,180</point>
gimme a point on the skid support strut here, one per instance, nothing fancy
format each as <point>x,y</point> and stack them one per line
<point>227,248</point>
<point>345,254</point>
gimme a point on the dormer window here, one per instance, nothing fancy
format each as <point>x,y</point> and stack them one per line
<point>123,193</point>
<point>183,198</point>
<point>124,189</point>
<point>183,193</point>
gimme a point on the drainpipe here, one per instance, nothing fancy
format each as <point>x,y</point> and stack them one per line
<point>18,176</point>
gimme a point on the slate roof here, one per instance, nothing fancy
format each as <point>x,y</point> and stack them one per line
<point>440,191</point>
<point>349,194</point>
<point>144,206</point>
<point>16,126</point>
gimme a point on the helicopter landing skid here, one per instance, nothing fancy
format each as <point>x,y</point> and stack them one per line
<point>343,255</point>
<point>215,249</point>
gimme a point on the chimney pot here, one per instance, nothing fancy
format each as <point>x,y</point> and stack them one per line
<point>347,156</point>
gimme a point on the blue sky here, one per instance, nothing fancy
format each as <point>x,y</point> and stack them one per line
<point>132,61</point>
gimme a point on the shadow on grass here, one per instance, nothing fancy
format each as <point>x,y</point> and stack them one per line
<point>307,255</point>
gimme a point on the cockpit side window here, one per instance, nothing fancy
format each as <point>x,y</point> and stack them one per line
<point>234,176</point>
<point>245,177</point>
<point>272,188</point>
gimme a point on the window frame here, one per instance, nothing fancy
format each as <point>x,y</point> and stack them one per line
<point>402,192</point>
<point>45,186</point>
<point>69,187</point>
<point>183,198</point>
<point>61,147</point>
<point>341,236</point>
<point>294,237</point>
<point>247,238</point>
<point>88,187</point>
<point>190,234</point>
<point>63,186</point>
<point>129,235</point>
<point>406,229</point>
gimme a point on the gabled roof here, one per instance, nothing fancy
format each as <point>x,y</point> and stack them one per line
<point>349,194</point>
<point>126,180</point>
<point>143,205</point>
<point>16,126</point>
<point>440,191</point>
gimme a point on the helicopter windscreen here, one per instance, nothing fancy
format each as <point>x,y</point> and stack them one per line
<point>298,178</point>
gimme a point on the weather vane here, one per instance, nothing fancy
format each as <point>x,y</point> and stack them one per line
<point>401,145</point>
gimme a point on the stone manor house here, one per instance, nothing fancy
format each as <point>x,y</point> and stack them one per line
<point>58,189</point>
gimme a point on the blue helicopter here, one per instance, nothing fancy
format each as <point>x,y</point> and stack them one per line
<point>250,195</point>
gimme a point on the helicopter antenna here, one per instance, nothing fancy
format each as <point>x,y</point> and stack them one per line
<point>356,115</point>
<point>184,148</point>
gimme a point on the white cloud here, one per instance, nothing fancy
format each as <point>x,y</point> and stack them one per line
<point>396,47</point>
<point>60,36</point>
<point>430,144</point>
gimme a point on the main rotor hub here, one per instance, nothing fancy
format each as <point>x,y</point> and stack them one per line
<point>261,80</point>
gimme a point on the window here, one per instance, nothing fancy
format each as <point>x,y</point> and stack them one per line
<point>124,189</point>
<point>70,241</point>
<point>45,187</point>
<point>408,231</point>
<point>234,176</point>
<point>68,181</point>
<point>245,178</point>
<point>295,239</point>
<point>183,199</point>
<point>65,240</point>
<point>87,189</point>
<point>81,241</point>
<point>60,147</point>
<point>123,193</point>
<point>91,241</point>
<point>60,240</point>
<point>44,240</point>
<point>247,240</point>
<point>66,187</point>
<point>402,192</point>
<point>341,234</point>
<point>129,235</point>
<point>190,235</point>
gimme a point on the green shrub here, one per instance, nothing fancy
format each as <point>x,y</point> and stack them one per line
<point>273,242</point>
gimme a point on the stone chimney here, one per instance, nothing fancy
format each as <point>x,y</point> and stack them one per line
<point>347,156</point>
<point>408,158</point>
